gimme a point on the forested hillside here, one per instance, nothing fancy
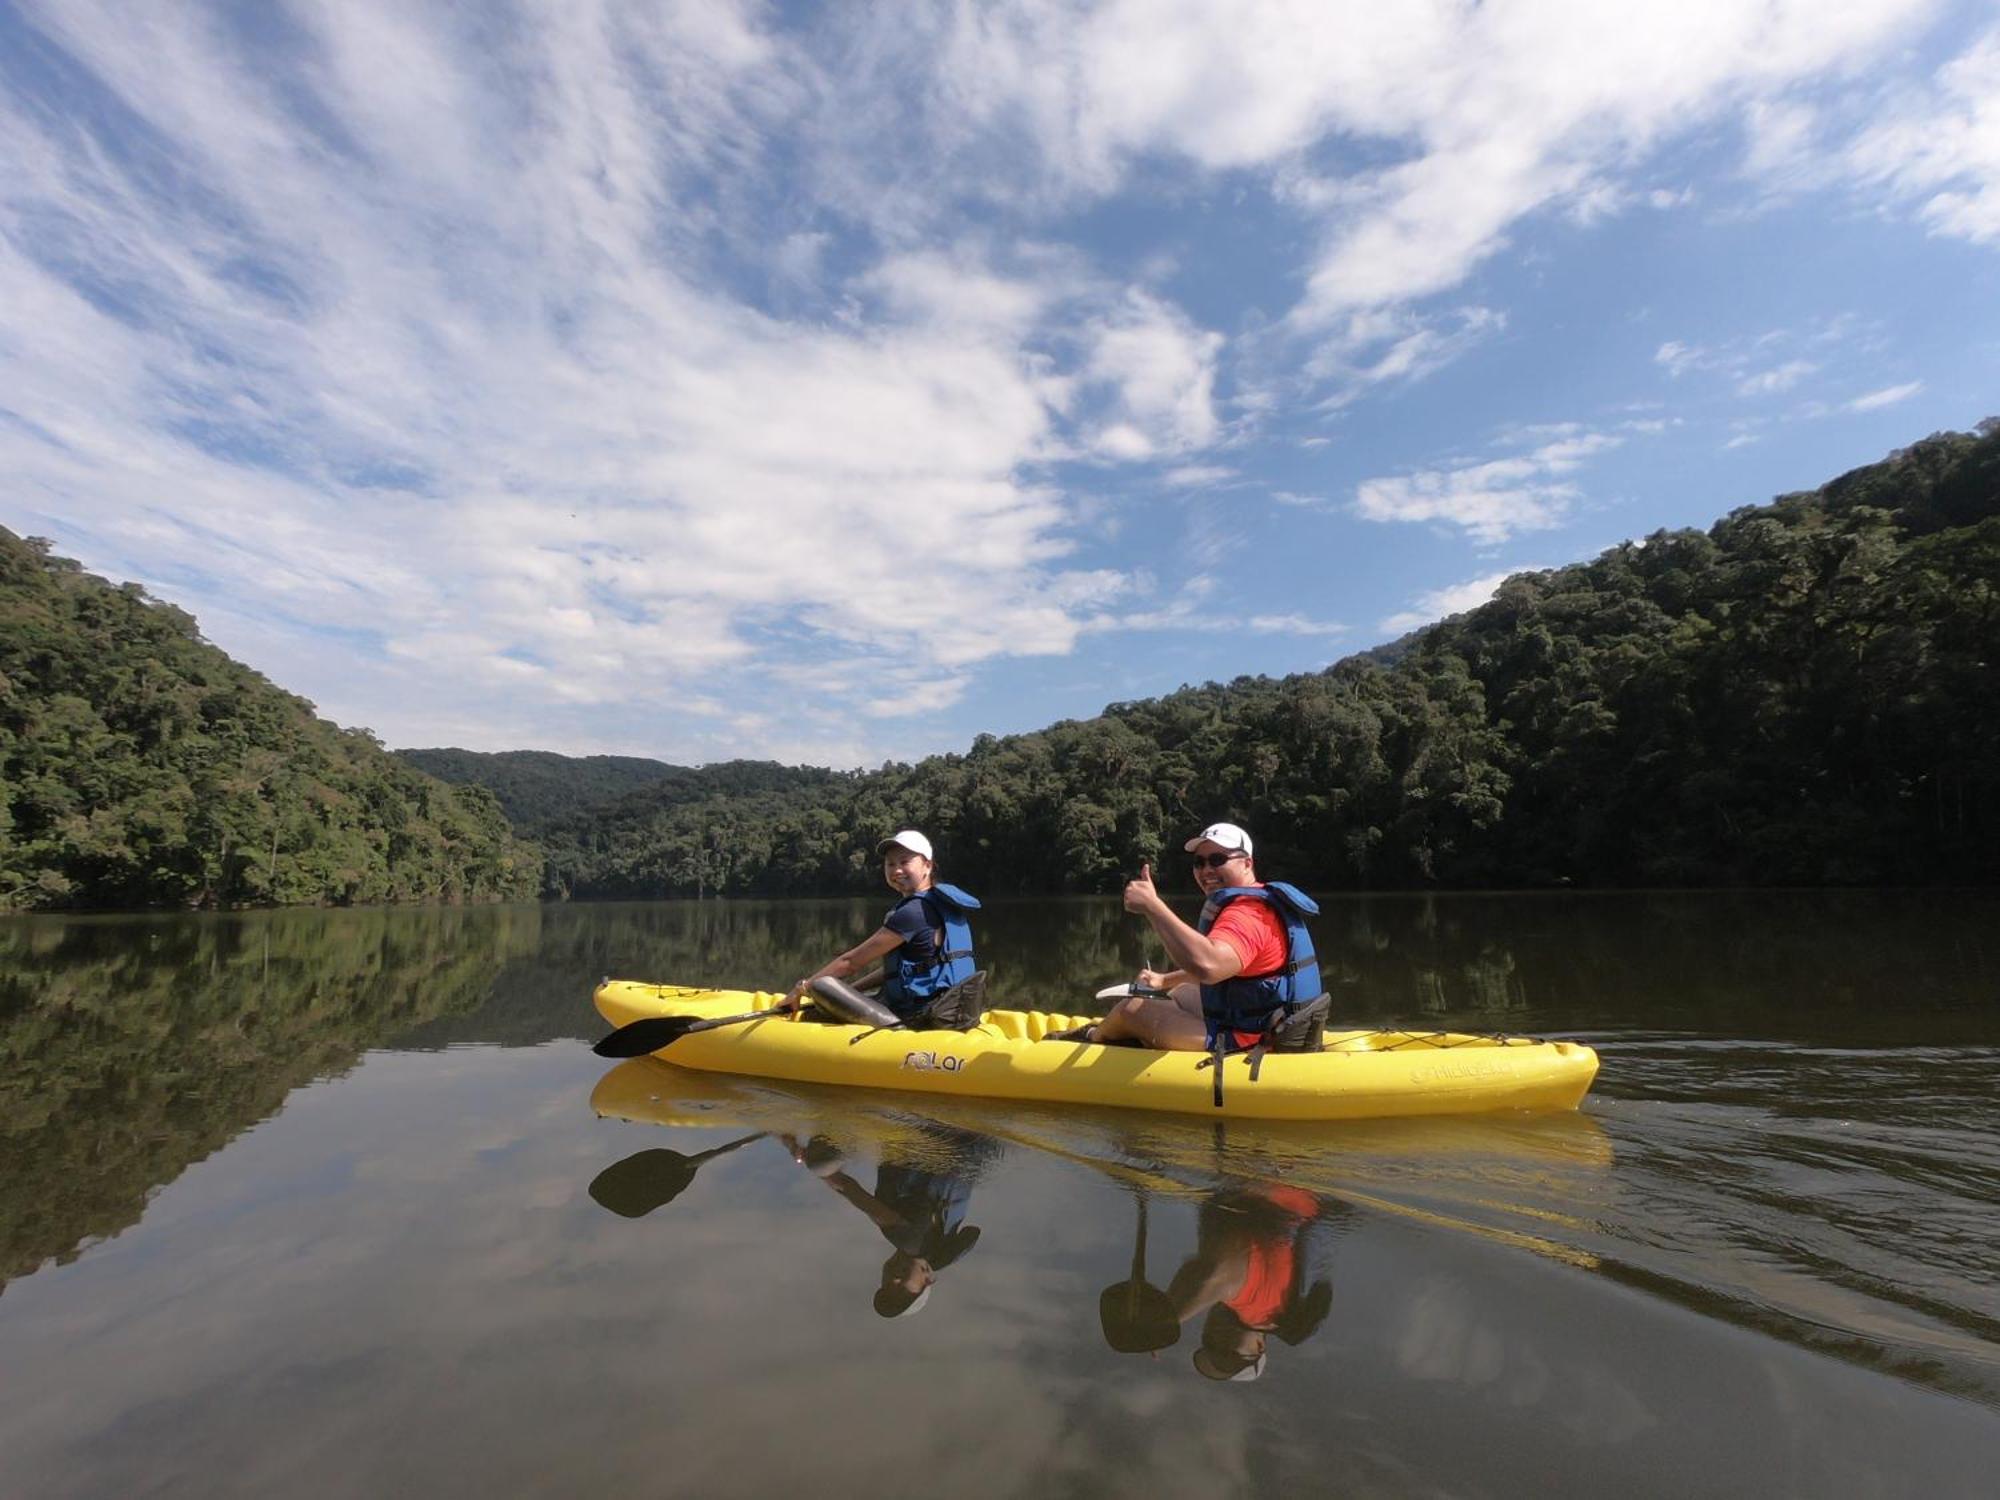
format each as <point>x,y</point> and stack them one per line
<point>140,766</point>
<point>1806,693</point>
<point>538,788</point>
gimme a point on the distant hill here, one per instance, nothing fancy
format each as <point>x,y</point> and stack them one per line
<point>537,787</point>
<point>541,790</point>
<point>140,766</point>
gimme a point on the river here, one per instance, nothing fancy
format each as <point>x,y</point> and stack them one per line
<point>341,1204</point>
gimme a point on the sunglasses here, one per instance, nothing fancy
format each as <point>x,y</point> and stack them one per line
<point>1216,861</point>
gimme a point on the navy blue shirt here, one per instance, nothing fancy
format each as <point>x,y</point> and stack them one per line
<point>930,1207</point>
<point>910,919</point>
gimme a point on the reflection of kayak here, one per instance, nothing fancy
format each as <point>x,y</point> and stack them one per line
<point>1527,1180</point>
<point>1359,1075</point>
<point>647,1090</point>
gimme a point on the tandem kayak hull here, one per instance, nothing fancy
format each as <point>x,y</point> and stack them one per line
<point>1360,1075</point>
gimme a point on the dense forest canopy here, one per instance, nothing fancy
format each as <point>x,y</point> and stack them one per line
<point>141,766</point>
<point>538,788</point>
<point>1806,693</point>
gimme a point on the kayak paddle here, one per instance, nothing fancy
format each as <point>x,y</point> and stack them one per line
<point>647,1180</point>
<point>651,1033</point>
<point>1138,1318</point>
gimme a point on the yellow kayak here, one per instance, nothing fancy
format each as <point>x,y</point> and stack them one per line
<point>1359,1074</point>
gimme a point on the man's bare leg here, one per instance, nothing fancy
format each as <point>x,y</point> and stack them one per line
<point>1173,1024</point>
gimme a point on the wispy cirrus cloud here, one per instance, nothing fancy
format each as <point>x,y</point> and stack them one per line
<point>1889,395</point>
<point>1491,500</point>
<point>608,363</point>
<point>1296,625</point>
<point>400,331</point>
<point>1776,379</point>
<point>1197,476</point>
<point>1939,148</point>
<point>1774,361</point>
<point>1414,141</point>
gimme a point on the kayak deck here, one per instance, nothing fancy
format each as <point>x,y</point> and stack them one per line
<point>1361,1074</point>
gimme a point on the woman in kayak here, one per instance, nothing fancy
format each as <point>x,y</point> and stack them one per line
<point>924,944</point>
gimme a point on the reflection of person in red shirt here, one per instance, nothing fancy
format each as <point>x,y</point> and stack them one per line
<point>1247,940</point>
<point>1246,1275</point>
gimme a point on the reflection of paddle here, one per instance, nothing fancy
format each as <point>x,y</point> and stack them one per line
<point>648,1179</point>
<point>637,1038</point>
<point>1137,1316</point>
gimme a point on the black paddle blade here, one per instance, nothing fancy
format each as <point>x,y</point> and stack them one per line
<point>639,1038</point>
<point>642,1182</point>
<point>1137,1318</point>
<point>655,1032</point>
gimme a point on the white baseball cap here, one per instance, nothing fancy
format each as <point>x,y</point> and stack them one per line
<point>911,840</point>
<point>1252,1371</point>
<point>916,1306</point>
<point>1226,834</point>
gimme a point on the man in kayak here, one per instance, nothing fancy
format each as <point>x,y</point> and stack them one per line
<point>1244,968</point>
<point>924,944</point>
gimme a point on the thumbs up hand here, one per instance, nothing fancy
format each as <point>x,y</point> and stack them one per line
<point>1140,896</point>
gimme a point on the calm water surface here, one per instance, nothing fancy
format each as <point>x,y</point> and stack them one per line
<point>341,1204</point>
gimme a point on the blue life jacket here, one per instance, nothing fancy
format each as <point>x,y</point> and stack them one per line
<point>905,978</point>
<point>1242,1004</point>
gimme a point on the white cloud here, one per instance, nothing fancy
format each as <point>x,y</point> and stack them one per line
<point>1413,138</point>
<point>1941,149</point>
<point>459,383</point>
<point>1889,395</point>
<point>1513,107</point>
<point>1490,501</point>
<point>1197,476</point>
<point>1155,372</point>
<point>1678,358</point>
<point>1775,360</point>
<point>1781,140</point>
<point>1453,599</point>
<point>616,356</point>
<point>1779,378</point>
<point>1388,346</point>
<point>1294,624</point>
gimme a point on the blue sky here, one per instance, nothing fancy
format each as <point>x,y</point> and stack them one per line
<point>835,383</point>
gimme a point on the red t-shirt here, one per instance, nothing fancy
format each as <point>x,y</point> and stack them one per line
<point>1253,930</point>
<point>1267,1282</point>
<point>1267,1275</point>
